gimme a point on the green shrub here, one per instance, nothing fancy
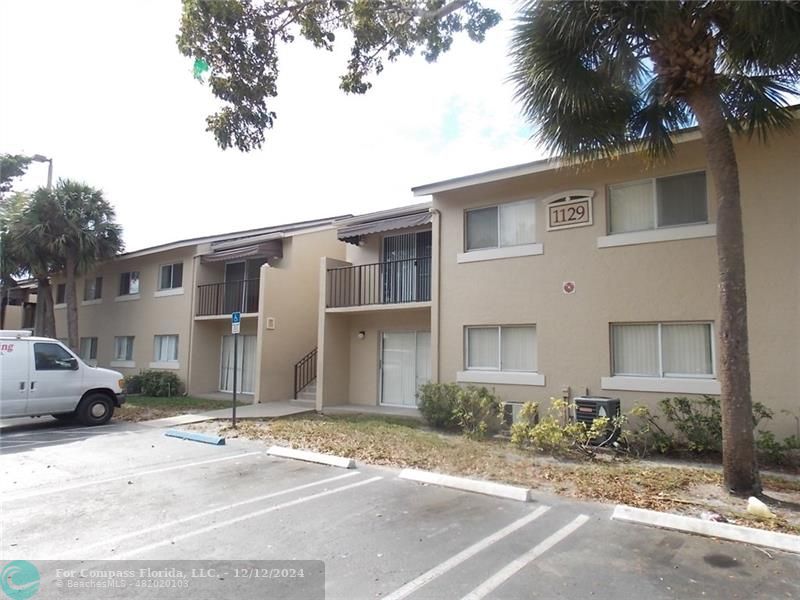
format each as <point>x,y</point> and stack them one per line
<point>643,435</point>
<point>699,421</point>
<point>472,410</point>
<point>437,401</point>
<point>477,412</point>
<point>133,383</point>
<point>777,452</point>
<point>154,383</point>
<point>555,432</point>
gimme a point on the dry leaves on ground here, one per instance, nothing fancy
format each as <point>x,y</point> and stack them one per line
<point>404,443</point>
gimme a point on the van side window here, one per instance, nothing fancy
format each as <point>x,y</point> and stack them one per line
<point>52,357</point>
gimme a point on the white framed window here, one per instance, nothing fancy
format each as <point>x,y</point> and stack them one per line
<point>93,288</point>
<point>170,276</point>
<point>61,293</point>
<point>501,226</point>
<point>123,348</point>
<point>663,350</point>
<point>658,203</point>
<point>88,350</point>
<point>507,348</point>
<point>165,348</point>
<point>129,283</point>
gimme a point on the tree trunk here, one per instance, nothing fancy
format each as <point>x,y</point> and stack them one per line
<point>71,299</point>
<point>740,469</point>
<point>3,304</point>
<point>45,320</point>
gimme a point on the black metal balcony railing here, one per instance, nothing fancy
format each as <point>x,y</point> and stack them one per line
<point>396,281</point>
<point>226,298</point>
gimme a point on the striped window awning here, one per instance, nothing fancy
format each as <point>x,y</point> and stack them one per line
<point>268,249</point>
<point>353,233</point>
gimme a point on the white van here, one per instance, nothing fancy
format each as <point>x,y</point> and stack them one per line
<point>41,376</point>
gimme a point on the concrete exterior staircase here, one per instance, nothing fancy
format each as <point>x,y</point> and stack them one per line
<point>308,393</point>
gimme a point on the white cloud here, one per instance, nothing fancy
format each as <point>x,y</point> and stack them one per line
<point>101,87</point>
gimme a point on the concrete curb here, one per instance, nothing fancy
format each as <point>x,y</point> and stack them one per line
<point>489,488</point>
<point>315,457</point>
<point>724,531</point>
<point>193,436</point>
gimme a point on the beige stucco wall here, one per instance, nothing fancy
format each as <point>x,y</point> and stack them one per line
<point>14,317</point>
<point>143,318</point>
<point>290,296</point>
<point>666,281</point>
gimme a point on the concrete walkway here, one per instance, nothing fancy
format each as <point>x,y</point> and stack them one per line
<point>265,410</point>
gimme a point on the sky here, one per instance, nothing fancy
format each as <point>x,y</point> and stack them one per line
<point>101,88</point>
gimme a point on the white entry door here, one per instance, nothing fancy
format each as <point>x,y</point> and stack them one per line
<point>405,365</point>
<point>245,364</point>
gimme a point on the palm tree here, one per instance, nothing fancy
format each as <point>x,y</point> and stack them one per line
<point>601,78</point>
<point>10,209</point>
<point>86,234</point>
<point>29,248</point>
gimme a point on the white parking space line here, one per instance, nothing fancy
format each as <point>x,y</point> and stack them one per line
<point>15,443</point>
<point>467,553</point>
<point>94,482</point>
<point>106,541</point>
<point>178,538</point>
<point>516,565</point>
<point>95,430</point>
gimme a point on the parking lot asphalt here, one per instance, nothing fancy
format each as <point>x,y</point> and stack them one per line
<point>127,492</point>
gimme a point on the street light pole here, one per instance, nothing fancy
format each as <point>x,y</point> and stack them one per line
<point>49,161</point>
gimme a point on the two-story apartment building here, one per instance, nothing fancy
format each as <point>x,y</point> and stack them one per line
<point>169,307</point>
<point>547,281</point>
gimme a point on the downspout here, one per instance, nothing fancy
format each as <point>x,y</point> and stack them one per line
<point>191,321</point>
<point>435,299</point>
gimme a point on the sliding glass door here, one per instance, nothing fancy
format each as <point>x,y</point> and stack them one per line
<point>407,267</point>
<point>405,365</point>
<point>245,364</point>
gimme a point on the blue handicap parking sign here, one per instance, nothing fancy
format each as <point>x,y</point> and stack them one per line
<point>236,317</point>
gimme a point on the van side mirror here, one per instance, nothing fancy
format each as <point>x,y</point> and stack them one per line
<point>67,364</point>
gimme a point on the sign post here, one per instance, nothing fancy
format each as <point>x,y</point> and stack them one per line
<point>236,321</point>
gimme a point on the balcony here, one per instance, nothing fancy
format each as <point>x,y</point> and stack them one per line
<point>393,282</point>
<point>225,298</point>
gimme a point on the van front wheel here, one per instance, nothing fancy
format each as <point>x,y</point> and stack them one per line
<point>95,409</point>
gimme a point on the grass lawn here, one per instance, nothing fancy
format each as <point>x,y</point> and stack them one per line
<point>145,408</point>
<point>399,442</point>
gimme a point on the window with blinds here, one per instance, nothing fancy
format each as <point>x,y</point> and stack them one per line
<point>501,348</point>
<point>123,347</point>
<point>165,348</point>
<point>93,288</point>
<point>656,203</point>
<point>511,224</point>
<point>88,349</point>
<point>663,350</point>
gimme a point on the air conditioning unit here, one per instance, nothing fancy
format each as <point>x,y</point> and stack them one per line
<point>589,408</point>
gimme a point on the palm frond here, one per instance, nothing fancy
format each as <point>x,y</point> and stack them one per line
<point>759,36</point>
<point>757,104</point>
<point>566,83</point>
<point>656,119</point>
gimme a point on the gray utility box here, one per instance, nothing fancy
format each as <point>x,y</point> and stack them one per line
<point>589,408</point>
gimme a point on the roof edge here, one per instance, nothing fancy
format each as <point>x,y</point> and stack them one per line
<point>285,229</point>
<point>384,214</point>
<point>548,164</point>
